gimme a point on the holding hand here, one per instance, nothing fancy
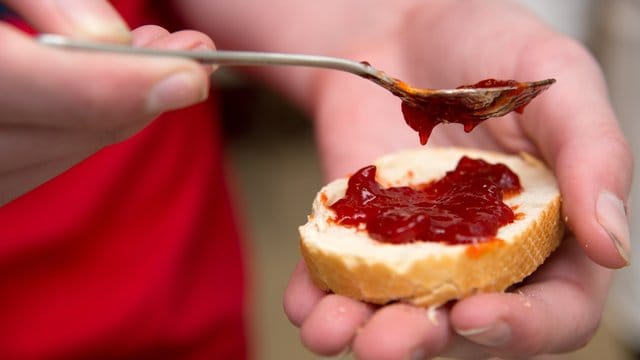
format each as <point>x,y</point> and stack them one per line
<point>571,127</point>
<point>59,107</point>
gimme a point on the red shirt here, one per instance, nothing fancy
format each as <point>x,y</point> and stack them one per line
<point>132,253</point>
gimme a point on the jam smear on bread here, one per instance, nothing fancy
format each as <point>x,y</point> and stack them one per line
<point>464,207</point>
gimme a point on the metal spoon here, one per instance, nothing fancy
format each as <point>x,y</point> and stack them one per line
<point>470,102</point>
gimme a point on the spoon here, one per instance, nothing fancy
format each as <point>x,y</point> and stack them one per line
<point>422,108</point>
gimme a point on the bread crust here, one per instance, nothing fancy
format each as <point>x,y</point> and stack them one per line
<point>443,272</point>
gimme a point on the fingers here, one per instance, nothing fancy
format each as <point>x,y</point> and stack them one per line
<point>333,323</point>
<point>145,86</point>
<point>301,295</point>
<point>93,19</point>
<point>577,132</point>
<point>557,311</point>
<point>147,34</point>
<point>157,37</point>
<point>153,36</point>
<point>328,322</point>
<point>75,103</point>
<point>403,331</point>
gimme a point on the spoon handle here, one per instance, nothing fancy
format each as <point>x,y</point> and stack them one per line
<point>220,57</point>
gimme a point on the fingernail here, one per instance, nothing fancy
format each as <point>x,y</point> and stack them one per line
<point>612,216</point>
<point>496,334</point>
<point>176,91</point>
<point>94,19</point>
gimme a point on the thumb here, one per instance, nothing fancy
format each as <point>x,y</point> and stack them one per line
<point>91,19</point>
<point>576,129</point>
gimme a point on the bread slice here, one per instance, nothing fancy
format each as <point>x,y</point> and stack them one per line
<point>347,261</point>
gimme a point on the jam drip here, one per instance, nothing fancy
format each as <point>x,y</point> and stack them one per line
<point>464,207</point>
<point>433,110</point>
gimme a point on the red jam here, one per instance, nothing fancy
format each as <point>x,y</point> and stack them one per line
<point>464,207</point>
<point>436,110</point>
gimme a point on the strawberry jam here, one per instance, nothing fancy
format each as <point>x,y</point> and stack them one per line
<point>464,207</point>
<point>431,111</point>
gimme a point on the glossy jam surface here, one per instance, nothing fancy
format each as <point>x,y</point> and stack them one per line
<point>436,110</point>
<point>464,207</point>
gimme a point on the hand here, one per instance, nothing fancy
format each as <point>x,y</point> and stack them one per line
<point>58,107</point>
<point>572,127</point>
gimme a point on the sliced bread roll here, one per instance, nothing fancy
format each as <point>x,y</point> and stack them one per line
<point>347,261</point>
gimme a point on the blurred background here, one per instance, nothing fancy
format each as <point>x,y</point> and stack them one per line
<point>276,172</point>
